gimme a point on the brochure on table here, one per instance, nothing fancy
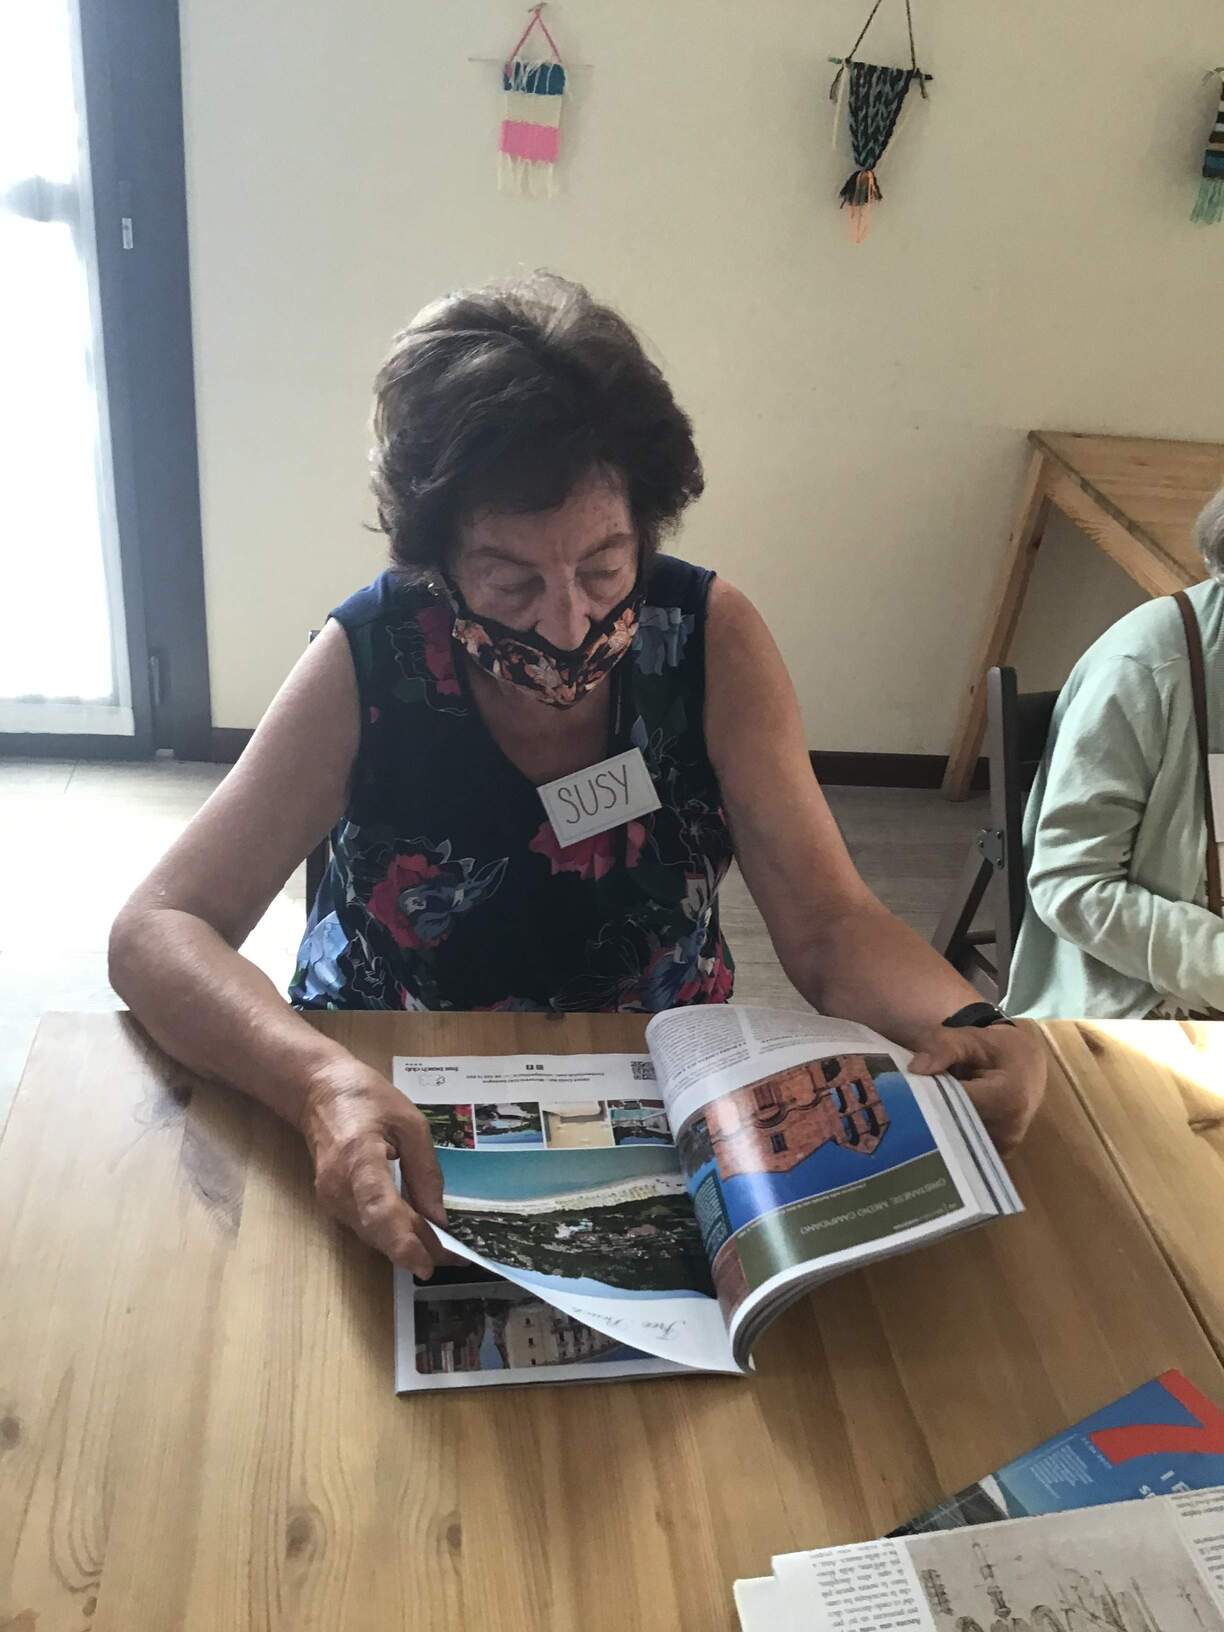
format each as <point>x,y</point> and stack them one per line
<point>1161,1438</point>
<point>1164,1438</point>
<point>1142,1566</point>
<point>669,1204</point>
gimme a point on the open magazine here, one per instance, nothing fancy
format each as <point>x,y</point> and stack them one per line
<point>1139,1566</point>
<point>655,1212</point>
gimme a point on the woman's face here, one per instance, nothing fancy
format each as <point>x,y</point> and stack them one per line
<point>554,572</point>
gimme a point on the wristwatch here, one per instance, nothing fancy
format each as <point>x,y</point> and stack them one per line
<point>979,1015</point>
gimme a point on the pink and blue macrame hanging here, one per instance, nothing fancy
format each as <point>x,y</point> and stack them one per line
<point>874,97</point>
<point>531,125</point>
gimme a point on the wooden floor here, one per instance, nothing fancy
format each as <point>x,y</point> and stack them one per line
<point>77,836</point>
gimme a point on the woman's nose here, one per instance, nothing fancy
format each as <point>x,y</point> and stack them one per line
<point>565,620</point>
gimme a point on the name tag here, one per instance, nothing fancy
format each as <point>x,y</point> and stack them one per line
<point>603,796</point>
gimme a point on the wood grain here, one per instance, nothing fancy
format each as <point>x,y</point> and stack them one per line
<point>1137,498</point>
<point>1155,1094</point>
<point>198,1430</point>
<point>1151,567</point>
<point>1152,487</point>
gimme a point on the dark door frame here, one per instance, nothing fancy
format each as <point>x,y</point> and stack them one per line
<point>133,89</point>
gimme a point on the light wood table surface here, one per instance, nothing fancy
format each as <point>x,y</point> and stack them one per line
<point>1155,1094</point>
<point>1136,498</point>
<point>198,1430</point>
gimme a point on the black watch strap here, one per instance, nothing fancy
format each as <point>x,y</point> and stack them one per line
<point>979,1015</point>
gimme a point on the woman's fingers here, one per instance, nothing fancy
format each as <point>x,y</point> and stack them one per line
<point>356,1123</point>
<point>1002,1068</point>
<point>945,1048</point>
<point>380,1215</point>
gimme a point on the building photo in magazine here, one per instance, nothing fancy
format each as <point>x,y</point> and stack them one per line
<point>780,1168</point>
<point>498,1327</point>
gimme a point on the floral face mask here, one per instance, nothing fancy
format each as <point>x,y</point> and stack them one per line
<point>524,659</point>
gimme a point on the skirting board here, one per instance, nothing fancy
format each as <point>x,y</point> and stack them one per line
<point>833,769</point>
<point>838,770</point>
<point>68,745</point>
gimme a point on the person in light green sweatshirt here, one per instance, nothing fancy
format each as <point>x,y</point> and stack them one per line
<point>1116,924</point>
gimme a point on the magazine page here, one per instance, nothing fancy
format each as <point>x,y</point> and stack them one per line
<point>559,1173</point>
<point>1155,1566</point>
<point>806,1148</point>
<point>1161,1438</point>
<point>465,1329</point>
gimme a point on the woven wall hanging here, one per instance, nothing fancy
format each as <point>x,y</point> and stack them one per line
<point>1209,206</point>
<point>531,124</point>
<point>873,97</point>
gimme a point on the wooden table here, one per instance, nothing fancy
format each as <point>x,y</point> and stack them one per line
<point>198,1431</point>
<point>1137,499</point>
<point>1155,1094</point>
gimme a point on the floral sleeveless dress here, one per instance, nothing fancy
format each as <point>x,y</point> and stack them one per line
<point>447,888</point>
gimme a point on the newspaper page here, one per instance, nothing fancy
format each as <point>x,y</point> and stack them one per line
<point>803,1142</point>
<point>1199,1515</point>
<point>560,1174</point>
<point>1142,1566</point>
<point>757,1602</point>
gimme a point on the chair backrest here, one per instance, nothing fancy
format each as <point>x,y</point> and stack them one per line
<point>1017,728</point>
<point>1017,725</point>
<point>317,860</point>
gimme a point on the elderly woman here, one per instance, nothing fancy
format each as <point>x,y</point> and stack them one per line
<point>1118,922</point>
<point>528,459</point>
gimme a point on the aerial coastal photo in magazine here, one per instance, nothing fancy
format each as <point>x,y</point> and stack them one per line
<point>812,1159</point>
<point>616,1222</point>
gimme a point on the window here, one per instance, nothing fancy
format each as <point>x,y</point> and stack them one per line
<point>777,1143</point>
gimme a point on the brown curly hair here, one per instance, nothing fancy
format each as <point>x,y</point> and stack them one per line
<point>505,397</point>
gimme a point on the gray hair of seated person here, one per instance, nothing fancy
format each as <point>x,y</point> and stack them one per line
<point>1209,536</point>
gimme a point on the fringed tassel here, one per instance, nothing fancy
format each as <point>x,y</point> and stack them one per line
<point>1209,206</point>
<point>861,191</point>
<point>527,177</point>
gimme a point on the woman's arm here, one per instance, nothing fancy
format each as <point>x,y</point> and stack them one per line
<point>174,959</point>
<point>1111,740</point>
<point>838,944</point>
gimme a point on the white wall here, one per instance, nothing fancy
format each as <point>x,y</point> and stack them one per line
<point>861,411</point>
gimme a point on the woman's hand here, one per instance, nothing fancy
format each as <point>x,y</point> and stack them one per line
<point>354,1121</point>
<point>1003,1069</point>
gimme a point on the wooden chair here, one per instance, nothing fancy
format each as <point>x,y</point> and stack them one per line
<point>317,860</point>
<point>1017,725</point>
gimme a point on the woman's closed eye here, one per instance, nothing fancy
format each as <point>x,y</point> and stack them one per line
<point>522,589</point>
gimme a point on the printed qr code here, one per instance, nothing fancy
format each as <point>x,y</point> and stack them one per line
<point>643,1070</point>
